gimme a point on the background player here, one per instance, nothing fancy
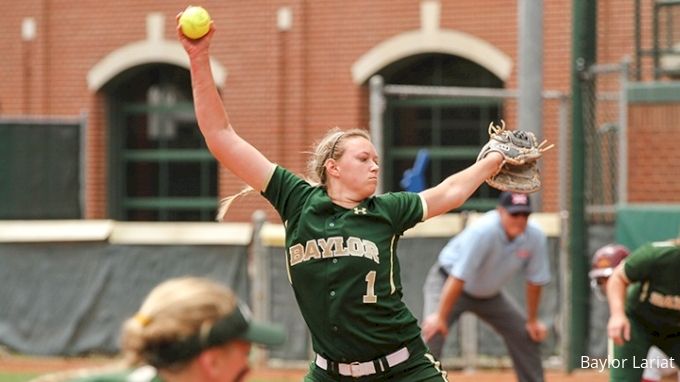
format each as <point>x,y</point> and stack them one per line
<point>604,261</point>
<point>471,271</point>
<point>340,239</point>
<point>647,313</point>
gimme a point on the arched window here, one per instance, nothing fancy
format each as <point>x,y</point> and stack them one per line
<point>453,130</point>
<point>161,169</point>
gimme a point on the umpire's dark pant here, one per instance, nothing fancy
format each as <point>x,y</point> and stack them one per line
<point>499,311</point>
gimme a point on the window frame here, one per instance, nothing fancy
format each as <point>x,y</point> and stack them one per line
<point>120,204</point>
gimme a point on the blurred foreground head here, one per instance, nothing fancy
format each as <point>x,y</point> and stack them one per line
<point>188,325</point>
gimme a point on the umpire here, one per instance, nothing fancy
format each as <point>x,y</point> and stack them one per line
<point>473,268</point>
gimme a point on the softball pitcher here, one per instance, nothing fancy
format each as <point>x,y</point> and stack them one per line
<point>341,240</point>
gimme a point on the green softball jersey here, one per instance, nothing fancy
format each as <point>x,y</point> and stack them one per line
<point>343,267</point>
<point>656,298</point>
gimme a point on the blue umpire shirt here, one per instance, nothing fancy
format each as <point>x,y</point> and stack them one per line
<point>486,260</point>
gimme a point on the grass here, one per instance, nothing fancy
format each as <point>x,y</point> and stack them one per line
<point>17,377</point>
<point>25,377</point>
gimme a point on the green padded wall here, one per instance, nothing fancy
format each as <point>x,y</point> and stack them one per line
<point>637,224</point>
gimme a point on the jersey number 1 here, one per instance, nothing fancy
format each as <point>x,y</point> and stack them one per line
<point>370,297</point>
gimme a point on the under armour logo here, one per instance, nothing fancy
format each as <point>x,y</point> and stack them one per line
<point>358,210</point>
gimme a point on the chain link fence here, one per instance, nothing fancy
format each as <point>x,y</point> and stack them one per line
<point>605,125</point>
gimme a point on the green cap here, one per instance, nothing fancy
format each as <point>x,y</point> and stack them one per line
<point>236,325</point>
<point>260,332</point>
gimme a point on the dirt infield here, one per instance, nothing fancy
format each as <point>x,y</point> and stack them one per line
<point>20,364</point>
<point>505,375</point>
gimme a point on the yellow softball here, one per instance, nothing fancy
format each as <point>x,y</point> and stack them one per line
<point>194,21</point>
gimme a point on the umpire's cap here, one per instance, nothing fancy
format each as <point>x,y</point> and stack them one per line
<point>515,203</point>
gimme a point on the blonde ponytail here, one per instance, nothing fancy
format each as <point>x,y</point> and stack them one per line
<point>226,203</point>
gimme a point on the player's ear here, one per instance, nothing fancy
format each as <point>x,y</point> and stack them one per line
<point>209,361</point>
<point>332,167</point>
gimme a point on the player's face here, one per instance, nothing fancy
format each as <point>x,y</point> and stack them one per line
<point>229,363</point>
<point>226,363</point>
<point>358,166</point>
<point>599,287</point>
<point>514,224</point>
<point>237,362</point>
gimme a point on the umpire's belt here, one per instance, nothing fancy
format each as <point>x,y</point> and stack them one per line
<point>359,369</point>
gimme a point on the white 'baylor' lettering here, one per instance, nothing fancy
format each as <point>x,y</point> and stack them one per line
<point>333,247</point>
<point>664,301</point>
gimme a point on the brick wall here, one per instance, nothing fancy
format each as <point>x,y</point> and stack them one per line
<point>655,163</point>
<point>284,89</point>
